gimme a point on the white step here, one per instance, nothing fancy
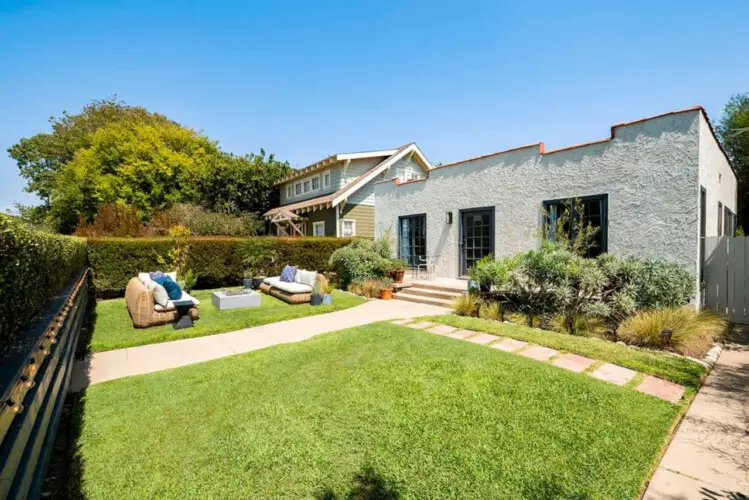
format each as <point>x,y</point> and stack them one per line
<point>419,299</point>
<point>437,294</point>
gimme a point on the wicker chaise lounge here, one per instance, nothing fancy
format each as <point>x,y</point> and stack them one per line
<point>292,293</point>
<point>140,305</point>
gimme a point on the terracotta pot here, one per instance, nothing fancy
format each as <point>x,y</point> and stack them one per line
<point>386,294</point>
<point>398,275</point>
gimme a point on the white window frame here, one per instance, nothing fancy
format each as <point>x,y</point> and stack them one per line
<point>306,186</point>
<point>319,183</point>
<point>297,192</point>
<point>317,224</point>
<point>326,179</point>
<point>289,191</point>
<point>353,228</point>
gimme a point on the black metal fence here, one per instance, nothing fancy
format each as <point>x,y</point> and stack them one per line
<point>35,373</point>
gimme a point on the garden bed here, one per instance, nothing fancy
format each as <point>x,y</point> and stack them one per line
<point>114,328</point>
<point>378,407</point>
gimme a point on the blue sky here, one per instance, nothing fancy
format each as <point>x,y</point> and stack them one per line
<point>309,79</point>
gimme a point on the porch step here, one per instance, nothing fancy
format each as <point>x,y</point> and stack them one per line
<point>434,293</point>
<point>439,288</point>
<point>409,296</point>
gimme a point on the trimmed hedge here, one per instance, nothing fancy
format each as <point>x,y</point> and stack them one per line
<point>214,260</point>
<point>34,266</point>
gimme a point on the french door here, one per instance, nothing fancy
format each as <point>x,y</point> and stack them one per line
<point>412,234</point>
<point>476,236</point>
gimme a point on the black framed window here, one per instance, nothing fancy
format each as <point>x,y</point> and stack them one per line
<point>412,234</point>
<point>720,219</point>
<point>595,213</point>
<point>729,222</point>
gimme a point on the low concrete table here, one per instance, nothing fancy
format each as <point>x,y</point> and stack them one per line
<point>233,300</point>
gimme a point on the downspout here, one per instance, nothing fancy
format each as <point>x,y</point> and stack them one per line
<point>337,223</point>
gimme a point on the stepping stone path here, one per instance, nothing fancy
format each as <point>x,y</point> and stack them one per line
<point>618,375</point>
<point>539,353</point>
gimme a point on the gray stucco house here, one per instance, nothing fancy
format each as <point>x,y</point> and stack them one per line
<point>656,187</point>
<point>335,196</point>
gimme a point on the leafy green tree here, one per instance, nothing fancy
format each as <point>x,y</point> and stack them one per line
<point>115,153</point>
<point>733,130</point>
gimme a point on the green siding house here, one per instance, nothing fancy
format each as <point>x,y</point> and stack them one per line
<point>335,196</point>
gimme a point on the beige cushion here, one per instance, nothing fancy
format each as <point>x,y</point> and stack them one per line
<point>159,293</point>
<point>288,287</point>
<point>307,278</point>
<point>170,303</point>
<point>298,276</point>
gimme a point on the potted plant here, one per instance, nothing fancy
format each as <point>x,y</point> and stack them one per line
<point>247,280</point>
<point>386,289</point>
<point>327,296</point>
<point>316,299</point>
<point>398,270</point>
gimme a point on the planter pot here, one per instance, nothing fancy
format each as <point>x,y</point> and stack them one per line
<point>247,283</point>
<point>398,275</point>
<point>386,294</point>
<point>327,299</point>
<point>256,282</point>
<point>316,300</point>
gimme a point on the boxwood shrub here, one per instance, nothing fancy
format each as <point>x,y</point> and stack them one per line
<point>216,261</point>
<point>34,266</point>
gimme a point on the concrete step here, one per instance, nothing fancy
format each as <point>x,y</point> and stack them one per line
<point>440,288</point>
<point>419,299</point>
<point>437,294</point>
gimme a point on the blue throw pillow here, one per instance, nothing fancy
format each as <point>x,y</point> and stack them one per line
<point>171,287</point>
<point>288,274</point>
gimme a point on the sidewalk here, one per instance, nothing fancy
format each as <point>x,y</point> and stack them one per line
<point>112,365</point>
<point>709,455</point>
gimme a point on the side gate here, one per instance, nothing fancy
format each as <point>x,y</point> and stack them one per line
<point>726,270</point>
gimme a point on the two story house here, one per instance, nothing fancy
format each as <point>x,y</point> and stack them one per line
<point>335,196</point>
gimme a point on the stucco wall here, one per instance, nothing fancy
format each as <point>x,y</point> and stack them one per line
<point>716,177</point>
<point>649,171</point>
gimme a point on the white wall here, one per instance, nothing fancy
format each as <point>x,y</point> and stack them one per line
<point>649,170</point>
<point>716,176</point>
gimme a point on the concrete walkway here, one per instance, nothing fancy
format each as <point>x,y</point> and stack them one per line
<point>709,455</point>
<point>111,365</point>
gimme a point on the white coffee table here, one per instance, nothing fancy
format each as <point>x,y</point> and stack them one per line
<point>224,300</point>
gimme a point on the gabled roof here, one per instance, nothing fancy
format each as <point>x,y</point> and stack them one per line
<point>325,162</point>
<point>338,197</point>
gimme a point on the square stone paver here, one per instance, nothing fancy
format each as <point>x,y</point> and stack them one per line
<point>402,321</point>
<point>483,338</point>
<point>509,345</point>
<point>421,325</point>
<point>442,329</point>
<point>461,334</point>
<point>660,388</point>
<point>573,362</point>
<point>539,353</point>
<point>614,374</point>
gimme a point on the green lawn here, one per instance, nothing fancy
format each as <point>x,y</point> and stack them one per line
<point>114,329</point>
<point>674,368</point>
<point>404,410</point>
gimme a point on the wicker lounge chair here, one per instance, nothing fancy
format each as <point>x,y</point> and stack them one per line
<point>292,293</point>
<point>140,305</point>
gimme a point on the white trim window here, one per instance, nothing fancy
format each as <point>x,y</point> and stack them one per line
<point>307,186</point>
<point>289,191</point>
<point>318,228</point>
<point>326,179</point>
<point>316,183</point>
<point>348,228</point>
<point>298,188</point>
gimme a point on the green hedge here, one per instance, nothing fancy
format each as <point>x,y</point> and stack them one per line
<point>34,266</point>
<point>215,260</point>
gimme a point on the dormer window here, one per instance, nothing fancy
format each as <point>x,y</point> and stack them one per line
<point>326,179</point>
<point>289,192</point>
<point>307,186</point>
<point>298,188</point>
<point>316,183</point>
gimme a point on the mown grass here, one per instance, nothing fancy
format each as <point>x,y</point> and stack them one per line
<point>379,407</point>
<point>674,368</point>
<point>114,329</point>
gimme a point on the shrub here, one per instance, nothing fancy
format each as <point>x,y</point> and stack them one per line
<point>361,261</point>
<point>34,266</point>
<point>491,311</point>
<point>466,305</point>
<point>201,222</point>
<point>661,284</point>
<point>680,329</point>
<point>112,219</point>
<point>215,261</point>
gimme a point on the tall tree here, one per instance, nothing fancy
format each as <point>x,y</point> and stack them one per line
<point>733,130</point>
<point>115,153</point>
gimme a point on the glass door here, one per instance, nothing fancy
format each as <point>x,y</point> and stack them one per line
<point>476,236</point>
<point>412,234</point>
